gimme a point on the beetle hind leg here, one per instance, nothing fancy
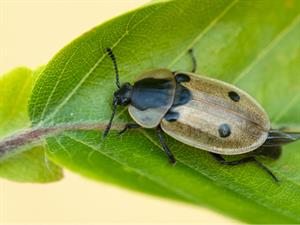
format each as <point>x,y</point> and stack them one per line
<point>272,152</point>
<point>164,145</point>
<point>221,160</point>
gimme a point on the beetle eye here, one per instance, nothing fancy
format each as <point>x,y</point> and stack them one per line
<point>123,101</point>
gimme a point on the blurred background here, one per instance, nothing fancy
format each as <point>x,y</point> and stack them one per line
<point>32,31</point>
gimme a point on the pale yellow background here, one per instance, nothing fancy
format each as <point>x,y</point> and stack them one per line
<point>31,32</point>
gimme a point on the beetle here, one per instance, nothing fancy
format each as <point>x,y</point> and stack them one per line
<point>201,112</point>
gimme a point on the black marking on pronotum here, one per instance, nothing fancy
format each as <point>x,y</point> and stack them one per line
<point>224,130</point>
<point>181,77</point>
<point>171,116</point>
<point>150,93</point>
<point>234,96</point>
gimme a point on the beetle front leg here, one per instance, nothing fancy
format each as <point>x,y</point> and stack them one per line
<point>221,160</point>
<point>129,126</point>
<point>164,145</point>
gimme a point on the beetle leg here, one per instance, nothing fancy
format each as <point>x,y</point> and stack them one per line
<point>193,60</point>
<point>221,160</point>
<point>129,126</point>
<point>273,152</point>
<point>164,145</point>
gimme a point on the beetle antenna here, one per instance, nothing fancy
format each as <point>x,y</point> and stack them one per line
<point>107,129</point>
<point>113,58</point>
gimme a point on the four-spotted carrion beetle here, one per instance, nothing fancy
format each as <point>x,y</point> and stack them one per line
<point>202,112</point>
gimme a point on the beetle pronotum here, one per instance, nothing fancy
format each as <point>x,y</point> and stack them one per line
<point>202,112</point>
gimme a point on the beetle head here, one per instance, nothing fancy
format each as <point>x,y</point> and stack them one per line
<point>123,95</point>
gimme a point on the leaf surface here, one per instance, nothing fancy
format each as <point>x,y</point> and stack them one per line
<point>252,44</point>
<point>31,164</point>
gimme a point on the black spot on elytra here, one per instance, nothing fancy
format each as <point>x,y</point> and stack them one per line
<point>171,116</point>
<point>224,130</point>
<point>234,96</point>
<point>181,77</point>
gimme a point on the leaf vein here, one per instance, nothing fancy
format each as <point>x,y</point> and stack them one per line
<point>85,77</point>
<point>57,82</point>
<point>139,172</point>
<point>284,110</point>
<point>205,31</point>
<point>268,48</point>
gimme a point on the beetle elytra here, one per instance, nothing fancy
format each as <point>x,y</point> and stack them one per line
<point>202,112</point>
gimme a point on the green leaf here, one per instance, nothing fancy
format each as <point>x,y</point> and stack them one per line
<point>253,44</point>
<point>31,165</point>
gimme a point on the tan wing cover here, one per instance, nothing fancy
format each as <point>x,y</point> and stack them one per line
<point>151,118</point>
<point>199,119</point>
